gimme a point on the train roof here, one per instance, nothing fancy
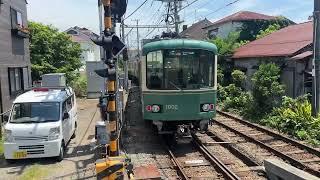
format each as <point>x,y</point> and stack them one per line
<point>179,44</point>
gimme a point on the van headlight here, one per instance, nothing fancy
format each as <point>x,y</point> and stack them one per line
<point>54,133</point>
<point>8,135</point>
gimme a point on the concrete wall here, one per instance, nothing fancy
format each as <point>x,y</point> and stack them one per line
<point>90,52</point>
<point>292,73</point>
<point>14,51</point>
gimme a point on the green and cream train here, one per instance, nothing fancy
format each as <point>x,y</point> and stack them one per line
<point>178,82</point>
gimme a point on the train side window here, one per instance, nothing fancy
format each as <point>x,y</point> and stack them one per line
<point>155,70</point>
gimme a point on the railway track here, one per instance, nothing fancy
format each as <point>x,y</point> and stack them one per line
<point>265,143</point>
<point>233,160</point>
<point>190,163</point>
<point>215,161</point>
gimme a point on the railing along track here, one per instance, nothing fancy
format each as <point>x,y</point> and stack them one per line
<point>274,135</point>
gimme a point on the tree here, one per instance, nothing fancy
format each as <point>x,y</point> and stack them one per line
<point>271,28</point>
<point>250,29</point>
<point>226,47</point>
<point>267,90</point>
<point>52,51</point>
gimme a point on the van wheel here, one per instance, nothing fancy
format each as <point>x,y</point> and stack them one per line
<point>61,154</point>
<point>74,133</point>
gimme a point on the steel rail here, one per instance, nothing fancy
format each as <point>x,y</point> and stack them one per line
<point>214,160</point>
<point>279,136</point>
<point>176,163</point>
<point>273,150</point>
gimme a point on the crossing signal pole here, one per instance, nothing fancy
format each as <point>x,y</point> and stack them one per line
<point>316,52</point>
<point>107,131</point>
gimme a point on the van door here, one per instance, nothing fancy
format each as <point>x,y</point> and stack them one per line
<point>65,122</point>
<point>71,112</point>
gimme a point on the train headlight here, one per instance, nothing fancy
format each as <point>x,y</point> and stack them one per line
<point>156,108</point>
<point>205,107</point>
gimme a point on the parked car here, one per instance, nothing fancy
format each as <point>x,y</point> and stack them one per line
<point>41,123</point>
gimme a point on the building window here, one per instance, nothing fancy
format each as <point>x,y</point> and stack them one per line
<point>16,19</point>
<point>213,33</point>
<point>15,80</point>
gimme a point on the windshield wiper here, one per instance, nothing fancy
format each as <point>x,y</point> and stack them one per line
<point>175,85</point>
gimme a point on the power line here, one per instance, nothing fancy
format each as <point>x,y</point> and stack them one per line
<point>188,5</point>
<point>136,9</point>
<point>229,4</point>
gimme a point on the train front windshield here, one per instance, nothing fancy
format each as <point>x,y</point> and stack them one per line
<point>180,69</point>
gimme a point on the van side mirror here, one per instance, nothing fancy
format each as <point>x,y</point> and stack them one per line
<point>5,118</point>
<point>66,116</point>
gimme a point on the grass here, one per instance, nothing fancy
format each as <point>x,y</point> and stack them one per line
<point>35,172</point>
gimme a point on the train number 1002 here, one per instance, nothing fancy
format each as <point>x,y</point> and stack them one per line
<point>171,107</point>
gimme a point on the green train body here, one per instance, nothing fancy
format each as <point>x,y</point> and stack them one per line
<point>178,82</point>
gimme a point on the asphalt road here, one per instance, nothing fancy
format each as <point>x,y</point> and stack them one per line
<point>79,160</point>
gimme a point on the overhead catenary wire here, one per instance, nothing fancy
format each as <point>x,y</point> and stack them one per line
<point>154,14</point>
<point>136,9</point>
<point>152,30</point>
<point>159,22</point>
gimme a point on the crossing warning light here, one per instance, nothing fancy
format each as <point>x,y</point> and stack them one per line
<point>112,43</point>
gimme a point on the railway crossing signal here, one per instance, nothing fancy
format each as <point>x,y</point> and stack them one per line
<point>111,43</point>
<point>113,166</point>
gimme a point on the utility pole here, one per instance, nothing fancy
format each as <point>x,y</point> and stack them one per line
<point>138,37</point>
<point>101,26</point>
<point>316,52</point>
<point>176,16</point>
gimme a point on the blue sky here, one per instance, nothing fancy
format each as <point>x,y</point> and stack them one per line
<point>67,13</point>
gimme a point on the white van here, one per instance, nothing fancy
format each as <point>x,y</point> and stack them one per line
<point>41,123</point>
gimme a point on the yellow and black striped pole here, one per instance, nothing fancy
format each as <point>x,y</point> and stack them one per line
<point>113,166</point>
<point>111,86</point>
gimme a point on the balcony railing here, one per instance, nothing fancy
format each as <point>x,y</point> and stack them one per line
<point>20,31</point>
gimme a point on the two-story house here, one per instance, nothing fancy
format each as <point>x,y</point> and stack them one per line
<point>234,22</point>
<point>90,51</point>
<point>15,66</point>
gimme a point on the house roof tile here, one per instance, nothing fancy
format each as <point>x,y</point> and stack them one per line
<point>196,31</point>
<point>285,42</point>
<point>243,16</point>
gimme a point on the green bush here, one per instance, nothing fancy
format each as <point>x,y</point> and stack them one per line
<point>294,118</point>
<point>267,90</point>
<point>233,97</point>
<point>238,77</point>
<point>80,86</point>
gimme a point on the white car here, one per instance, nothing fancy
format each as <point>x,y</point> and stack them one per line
<point>41,123</point>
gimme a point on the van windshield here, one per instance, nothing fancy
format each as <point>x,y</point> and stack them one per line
<point>37,112</point>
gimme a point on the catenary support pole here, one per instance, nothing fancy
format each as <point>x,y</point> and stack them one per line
<point>176,16</point>
<point>125,57</point>
<point>316,52</point>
